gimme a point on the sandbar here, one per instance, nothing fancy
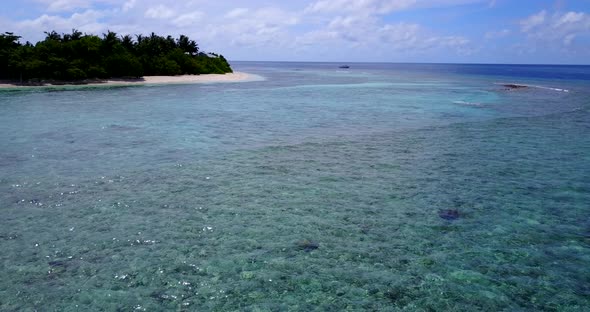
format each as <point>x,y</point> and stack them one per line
<point>155,80</point>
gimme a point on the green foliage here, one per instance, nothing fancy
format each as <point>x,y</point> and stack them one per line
<point>77,56</point>
<point>97,72</point>
<point>121,65</point>
<point>75,73</point>
<point>9,56</point>
<point>164,66</point>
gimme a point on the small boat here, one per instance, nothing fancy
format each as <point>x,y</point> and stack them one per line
<point>344,66</point>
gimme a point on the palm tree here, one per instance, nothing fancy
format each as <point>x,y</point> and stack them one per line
<point>53,35</point>
<point>127,42</point>
<point>187,45</point>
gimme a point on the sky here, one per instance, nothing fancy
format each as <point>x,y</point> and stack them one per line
<point>438,31</point>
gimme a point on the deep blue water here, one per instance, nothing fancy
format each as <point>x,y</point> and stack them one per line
<point>391,187</point>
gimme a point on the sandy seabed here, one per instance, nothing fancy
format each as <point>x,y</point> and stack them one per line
<point>184,79</point>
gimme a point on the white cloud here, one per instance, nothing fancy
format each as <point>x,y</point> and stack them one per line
<point>237,12</point>
<point>159,12</point>
<point>65,5</point>
<point>73,5</point>
<point>497,34</point>
<point>459,44</point>
<point>87,21</point>
<point>559,28</point>
<point>568,39</point>
<point>571,18</point>
<point>313,37</point>
<point>360,6</point>
<point>254,27</point>
<point>362,29</point>
<point>188,19</point>
<point>369,33</point>
<point>379,6</point>
<point>533,21</point>
<point>129,5</point>
<point>358,25</point>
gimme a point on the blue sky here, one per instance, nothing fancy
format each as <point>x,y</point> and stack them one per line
<point>458,31</point>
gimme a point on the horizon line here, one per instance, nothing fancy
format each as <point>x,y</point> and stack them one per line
<point>416,63</point>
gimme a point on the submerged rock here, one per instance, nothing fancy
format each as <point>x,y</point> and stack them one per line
<point>57,263</point>
<point>59,266</point>
<point>512,86</point>
<point>449,214</point>
<point>469,276</point>
<point>247,275</point>
<point>307,245</point>
<point>161,296</point>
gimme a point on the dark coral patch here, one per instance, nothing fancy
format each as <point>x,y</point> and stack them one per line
<point>449,214</point>
<point>307,245</point>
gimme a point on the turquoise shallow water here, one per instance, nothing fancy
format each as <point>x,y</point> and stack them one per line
<point>315,189</point>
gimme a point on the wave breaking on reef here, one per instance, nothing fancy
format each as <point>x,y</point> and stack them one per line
<point>513,86</point>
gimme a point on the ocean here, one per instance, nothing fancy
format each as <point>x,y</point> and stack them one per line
<point>382,187</point>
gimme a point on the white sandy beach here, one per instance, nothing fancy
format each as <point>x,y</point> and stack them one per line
<point>184,79</point>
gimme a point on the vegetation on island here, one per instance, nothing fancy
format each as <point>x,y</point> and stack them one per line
<point>77,57</point>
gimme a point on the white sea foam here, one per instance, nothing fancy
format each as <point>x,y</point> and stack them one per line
<point>549,88</point>
<point>465,103</point>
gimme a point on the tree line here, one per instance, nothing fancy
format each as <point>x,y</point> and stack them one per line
<point>77,56</point>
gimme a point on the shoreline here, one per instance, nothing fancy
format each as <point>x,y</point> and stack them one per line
<point>149,80</point>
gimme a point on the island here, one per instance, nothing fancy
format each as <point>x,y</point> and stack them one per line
<point>77,58</point>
